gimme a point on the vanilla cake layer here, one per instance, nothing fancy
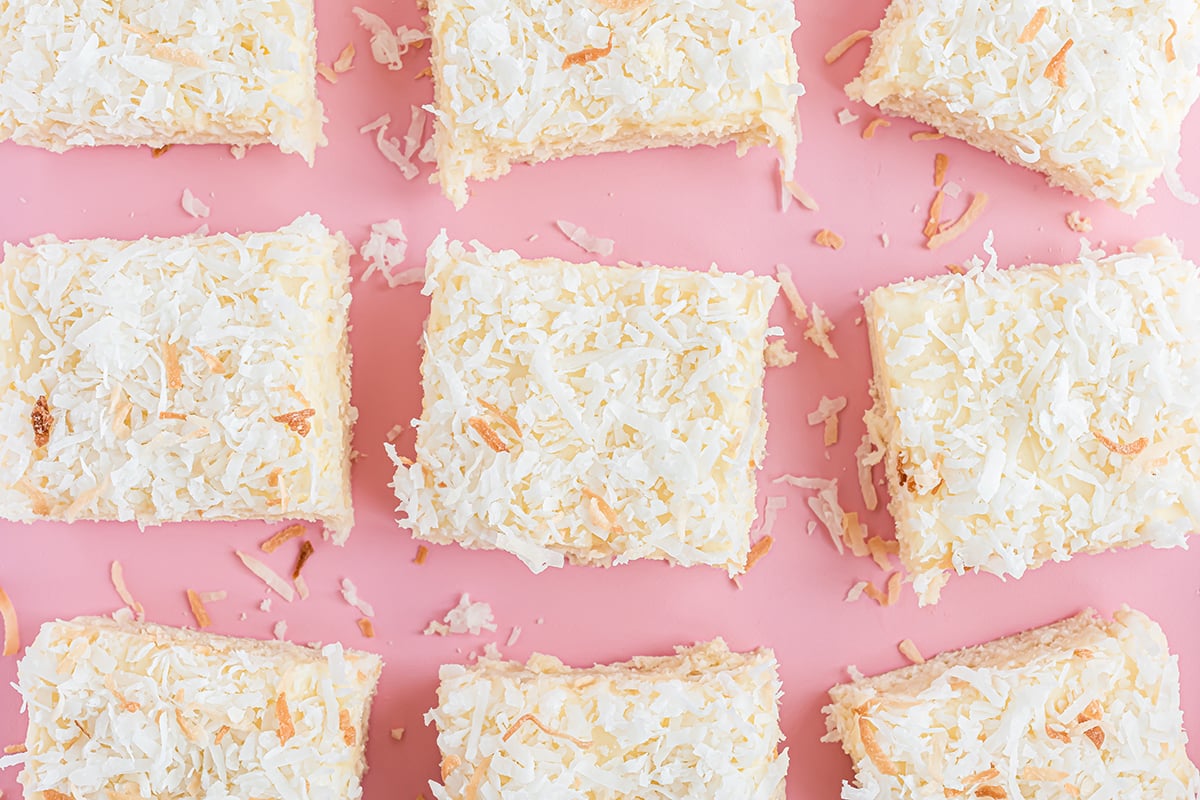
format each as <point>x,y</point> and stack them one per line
<point>196,377</point>
<point>701,723</point>
<point>1030,414</point>
<point>1092,97</point>
<point>1083,708</point>
<point>521,81</point>
<point>147,72</point>
<point>588,413</point>
<point>129,710</point>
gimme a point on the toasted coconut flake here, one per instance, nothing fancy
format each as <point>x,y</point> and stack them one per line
<point>350,595</point>
<point>221,731</point>
<point>893,589</point>
<point>397,734</point>
<point>818,330</point>
<point>588,54</point>
<point>214,363</point>
<point>117,575</point>
<point>960,225</point>
<point>801,195</point>
<point>1056,69</point>
<point>1035,24</point>
<point>345,59</point>
<point>170,356</point>
<point>1096,736</point>
<point>512,729</point>
<point>505,417</point>
<point>827,238</point>
<point>873,126</point>
<point>855,534</point>
<point>791,293</point>
<point>909,650</point>
<point>449,764</point>
<point>926,136</point>
<point>349,735</point>
<point>283,719</point>
<point>934,220</point>
<point>171,415</point>
<point>425,72</point>
<point>1120,448</point>
<point>1058,733</point>
<point>488,434</point>
<point>991,790</point>
<point>159,152</point>
<point>297,421</point>
<point>267,576</point>
<point>203,620</point>
<point>12,635</point>
<point>878,549</point>
<point>758,551</point>
<point>940,162</point>
<point>51,794</point>
<point>366,627</point>
<point>1078,222</point>
<point>872,591</point>
<point>839,49</point>
<point>777,354</point>
<point>1032,773</point>
<point>306,551</point>
<point>277,539</point>
<point>866,731</point>
<point>13,749</point>
<point>1169,44</point>
<point>42,421</point>
<point>422,554</point>
<point>856,591</point>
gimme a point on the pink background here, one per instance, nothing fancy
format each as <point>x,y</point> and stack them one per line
<point>672,207</point>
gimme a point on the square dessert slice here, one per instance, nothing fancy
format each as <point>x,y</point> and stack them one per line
<point>144,72</point>
<point>1030,414</point>
<point>524,81</point>
<point>1093,98</point>
<point>701,723</point>
<point>195,377</point>
<point>1081,708</point>
<point>601,414</point>
<point>138,710</point>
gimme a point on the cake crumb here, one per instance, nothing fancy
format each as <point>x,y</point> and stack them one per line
<point>778,355</point>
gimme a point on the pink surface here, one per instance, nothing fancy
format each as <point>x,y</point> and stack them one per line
<point>674,207</point>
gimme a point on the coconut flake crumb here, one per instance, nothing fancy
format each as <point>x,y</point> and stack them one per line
<point>345,60</point>
<point>280,629</point>
<point>909,650</point>
<point>384,250</point>
<point>397,734</point>
<point>389,146</point>
<point>827,238</point>
<point>827,415</point>
<point>513,636</point>
<point>824,504</point>
<point>193,205</point>
<point>1078,222</point>
<point>960,225</point>
<point>117,575</point>
<point>788,286</point>
<point>490,650</point>
<point>366,627</point>
<point>388,47</point>
<point>395,432</point>
<point>587,242</point>
<point>846,116</point>
<point>777,354</point>
<point>267,576</point>
<point>873,126</point>
<point>12,635</point>
<point>839,49</point>
<point>794,191</point>
<point>464,618</point>
<point>817,332</point>
<point>856,591</point>
<point>265,605</point>
<point>952,190</point>
<point>885,240</point>
<point>350,595</point>
<point>238,151</point>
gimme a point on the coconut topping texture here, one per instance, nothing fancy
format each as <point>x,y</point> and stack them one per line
<point>587,413</point>
<point>1092,97</point>
<point>196,377</point>
<point>1083,708</point>
<point>1029,414</point>
<point>518,81</point>
<point>139,710</point>
<point>145,72</point>
<point>701,723</point>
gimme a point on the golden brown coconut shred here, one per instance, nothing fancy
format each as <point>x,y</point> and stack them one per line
<point>42,421</point>
<point>588,54</point>
<point>297,421</point>
<point>1035,24</point>
<point>1056,69</point>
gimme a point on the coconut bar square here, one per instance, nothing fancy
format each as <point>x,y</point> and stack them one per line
<point>146,72</point>
<point>1081,708</point>
<point>1029,414</point>
<point>1091,97</point>
<point>701,723</point>
<point>597,414</point>
<point>129,710</point>
<point>196,377</point>
<point>521,81</point>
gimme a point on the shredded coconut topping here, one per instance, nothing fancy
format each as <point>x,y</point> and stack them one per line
<point>642,386</point>
<point>388,47</point>
<point>996,392</point>
<point>702,723</point>
<point>350,595</point>
<point>465,618</point>
<point>193,205</point>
